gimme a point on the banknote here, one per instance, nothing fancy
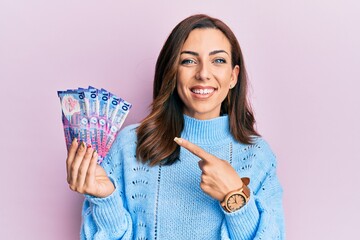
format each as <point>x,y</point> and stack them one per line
<point>103,113</point>
<point>116,122</point>
<point>70,115</point>
<point>94,116</point>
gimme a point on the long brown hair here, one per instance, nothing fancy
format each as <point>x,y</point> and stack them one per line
<point>156,132</point>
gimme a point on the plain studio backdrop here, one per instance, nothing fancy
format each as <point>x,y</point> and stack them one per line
<point>303,62</point>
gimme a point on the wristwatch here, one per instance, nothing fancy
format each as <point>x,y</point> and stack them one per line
<point>235,200</point>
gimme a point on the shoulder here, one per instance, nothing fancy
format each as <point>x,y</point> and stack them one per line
<point>261,146</point>
<point>125,142</point>
<point>259,152</point>
<point>264,160</point>
<point>126,136</point>
<point>128,131</point>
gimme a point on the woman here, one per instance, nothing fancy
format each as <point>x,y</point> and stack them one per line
<point>195,167</point>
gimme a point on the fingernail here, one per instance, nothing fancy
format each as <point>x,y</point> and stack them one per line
<point>74,140</point>
<point>95,152</point>
<point>89,146</point>
<point>178,140</point>
<point>83,144</point>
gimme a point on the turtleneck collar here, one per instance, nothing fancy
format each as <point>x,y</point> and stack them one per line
<point>206,132</point>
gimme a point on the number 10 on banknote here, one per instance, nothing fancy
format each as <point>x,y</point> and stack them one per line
<point>92,115</point>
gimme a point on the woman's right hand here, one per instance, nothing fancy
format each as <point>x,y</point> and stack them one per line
<point>84,175</point>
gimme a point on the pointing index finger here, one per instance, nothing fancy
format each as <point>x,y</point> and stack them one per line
<point>194,149</point>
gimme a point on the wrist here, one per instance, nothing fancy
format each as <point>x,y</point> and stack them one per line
<point>236,199</point>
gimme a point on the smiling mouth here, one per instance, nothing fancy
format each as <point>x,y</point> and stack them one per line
<point>202,91</point>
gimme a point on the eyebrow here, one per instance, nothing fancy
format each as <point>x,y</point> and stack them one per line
<point>197,54</point>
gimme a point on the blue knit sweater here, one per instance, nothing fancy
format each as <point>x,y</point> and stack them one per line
<point>166,202</point>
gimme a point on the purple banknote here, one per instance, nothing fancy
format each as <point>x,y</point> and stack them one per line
<point>92,115</point>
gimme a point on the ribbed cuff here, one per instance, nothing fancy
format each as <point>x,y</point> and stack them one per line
<point>109,212</point>
<point>243,223</point>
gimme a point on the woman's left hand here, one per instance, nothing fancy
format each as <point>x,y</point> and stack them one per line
<point>218,176</point>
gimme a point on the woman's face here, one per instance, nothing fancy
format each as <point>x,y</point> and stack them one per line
<point>205,74</point>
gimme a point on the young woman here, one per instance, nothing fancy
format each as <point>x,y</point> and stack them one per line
<point>195,167</point>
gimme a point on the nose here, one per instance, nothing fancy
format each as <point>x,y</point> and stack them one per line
<point>203,72</point>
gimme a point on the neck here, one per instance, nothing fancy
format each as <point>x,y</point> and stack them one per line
<point>211,131</point>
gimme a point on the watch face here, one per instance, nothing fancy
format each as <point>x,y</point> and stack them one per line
<point>235,202</point>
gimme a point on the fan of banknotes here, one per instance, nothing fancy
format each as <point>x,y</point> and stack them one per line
<point>92,115</point>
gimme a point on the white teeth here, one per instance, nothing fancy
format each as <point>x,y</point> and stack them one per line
<point>202,91</point>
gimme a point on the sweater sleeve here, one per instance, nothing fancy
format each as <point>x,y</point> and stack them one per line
<point>107,218</point>
<point>262,217</point>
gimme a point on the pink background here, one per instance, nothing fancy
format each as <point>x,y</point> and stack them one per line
<point>303,62</point>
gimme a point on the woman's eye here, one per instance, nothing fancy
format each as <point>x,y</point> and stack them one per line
<point>219,60</point>
<point>187,61</point>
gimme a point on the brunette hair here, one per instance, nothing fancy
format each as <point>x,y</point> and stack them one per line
<point>156,132</point>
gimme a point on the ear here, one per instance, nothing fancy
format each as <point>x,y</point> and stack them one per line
<point>234,76</point>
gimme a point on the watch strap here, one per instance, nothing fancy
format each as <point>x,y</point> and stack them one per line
<point>244,189</point>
